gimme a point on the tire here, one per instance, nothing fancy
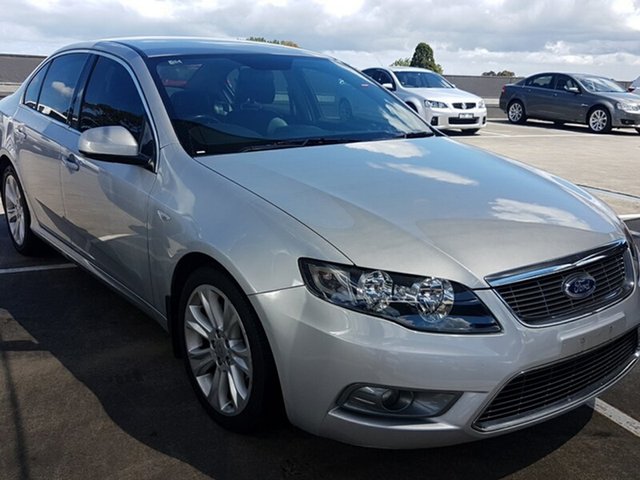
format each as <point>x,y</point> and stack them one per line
<point>17,214</point>
<point>412,107</point>
<point>599,120</point>
<point>516,113</point>
<point>226,353</point>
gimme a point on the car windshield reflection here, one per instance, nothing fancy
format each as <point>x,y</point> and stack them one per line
<point>242,102</point>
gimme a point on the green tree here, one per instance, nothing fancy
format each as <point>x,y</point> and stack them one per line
<point>402,62</point>
<point>286,43</point>
<point>503,73</point>
<point>423,58</point>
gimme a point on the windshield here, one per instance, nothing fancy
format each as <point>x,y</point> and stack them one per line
<point>238,102</point>
<point>599,84</point>
<point>422,80</point>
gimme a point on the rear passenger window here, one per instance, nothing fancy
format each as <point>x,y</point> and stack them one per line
<point>111,98</point>
<point>59,85</point>
<point>33,90</point>
<point>542,81</point>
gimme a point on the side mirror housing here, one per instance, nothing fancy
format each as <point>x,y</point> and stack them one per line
<point>111,144</point>
<point>388,86</point>
<point>572,89</point>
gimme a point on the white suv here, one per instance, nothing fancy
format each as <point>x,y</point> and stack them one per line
<point>635,86</point>
<point>435,99</point>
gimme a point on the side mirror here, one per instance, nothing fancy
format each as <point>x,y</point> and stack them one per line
<point>111,144</point>
<point>388,86</point>
<point>572,89</point>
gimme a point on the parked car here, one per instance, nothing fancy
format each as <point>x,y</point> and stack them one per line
<point>433,97</point>
<point>635,86</point>
<point>596,101</point>
<point>391,287</point>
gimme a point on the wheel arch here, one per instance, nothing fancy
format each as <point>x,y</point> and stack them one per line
<point>604,105</point>
<point>188,264</point>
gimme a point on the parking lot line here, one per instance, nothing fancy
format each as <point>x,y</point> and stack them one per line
<point>620,418</point>
<point>37,268</point>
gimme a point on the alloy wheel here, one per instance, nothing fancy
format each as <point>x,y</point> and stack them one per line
<point>15,211</point>
<point>515,112</point>
<point>218,350</point>
<point>598,120</point>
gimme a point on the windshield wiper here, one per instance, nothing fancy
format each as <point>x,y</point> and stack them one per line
<point>300,142</point>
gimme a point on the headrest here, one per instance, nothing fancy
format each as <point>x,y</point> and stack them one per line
<point>255,86</point>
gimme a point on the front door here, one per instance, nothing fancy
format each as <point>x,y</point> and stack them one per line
<point>106,202</point>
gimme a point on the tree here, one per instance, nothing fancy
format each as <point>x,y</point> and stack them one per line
<point>402,62</point>
<point>423,58</point>
<point>286,43</point>
<point>503,73</point>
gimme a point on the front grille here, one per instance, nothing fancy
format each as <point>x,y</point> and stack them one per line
<point>542,299</point>
<point>467,105</point>
<point>545,389</point>
<point>463,121</point>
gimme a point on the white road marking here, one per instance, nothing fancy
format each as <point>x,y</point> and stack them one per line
<point>37,268</point>
<point>620,418</point>
<point>554,135</point>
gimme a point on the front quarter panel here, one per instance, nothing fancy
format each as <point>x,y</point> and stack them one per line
<point>194,209</point>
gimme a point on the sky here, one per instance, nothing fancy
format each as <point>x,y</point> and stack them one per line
<point>468,36</point>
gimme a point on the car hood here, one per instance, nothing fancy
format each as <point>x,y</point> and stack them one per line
<point>426,206</point>
<point>444,94</point>
<point>619,96</point>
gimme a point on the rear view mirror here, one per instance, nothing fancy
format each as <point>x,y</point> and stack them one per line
<point>114,144</point>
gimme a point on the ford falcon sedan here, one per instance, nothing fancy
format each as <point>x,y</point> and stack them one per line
<point>385,285</point>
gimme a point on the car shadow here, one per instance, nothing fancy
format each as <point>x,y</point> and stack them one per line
<point>125,359</point>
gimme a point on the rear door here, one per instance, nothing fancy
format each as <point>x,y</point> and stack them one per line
<point>106,202</point>
<point>539,95</point>
<point>41,124</point>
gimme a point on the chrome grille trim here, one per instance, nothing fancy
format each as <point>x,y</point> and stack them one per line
<point>467,105</point>
<point>535,294</point>
<point>543,391</point>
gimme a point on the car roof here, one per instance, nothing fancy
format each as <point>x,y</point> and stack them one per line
<point>169,46</point>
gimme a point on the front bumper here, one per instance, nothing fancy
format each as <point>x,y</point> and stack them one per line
<point>623,118</point>
<point>321,349</point>
<point>471,119</point>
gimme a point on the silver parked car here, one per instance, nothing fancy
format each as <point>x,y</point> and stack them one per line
<point>391,287</point>
<point>433,97</point>
<point>596,101</point>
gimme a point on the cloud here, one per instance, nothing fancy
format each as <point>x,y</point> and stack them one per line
<point>468,36</point>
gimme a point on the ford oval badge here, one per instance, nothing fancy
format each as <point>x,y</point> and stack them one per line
<point>580,285</point>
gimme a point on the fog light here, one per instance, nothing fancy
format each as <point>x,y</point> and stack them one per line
<point>394,402</point>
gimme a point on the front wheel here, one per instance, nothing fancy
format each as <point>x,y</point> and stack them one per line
<point>225,351</point>
<point>17,214</point>
<point>599,120</point>
<point>516,113</point>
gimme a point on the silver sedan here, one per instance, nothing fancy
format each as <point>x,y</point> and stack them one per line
<point>307,240</point>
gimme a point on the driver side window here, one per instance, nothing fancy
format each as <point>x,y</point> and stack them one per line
<point>111,98</point>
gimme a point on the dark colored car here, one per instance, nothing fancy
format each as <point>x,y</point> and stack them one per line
<point>596,101</point>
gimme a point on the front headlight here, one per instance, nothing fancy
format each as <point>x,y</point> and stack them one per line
<point>428,304</point>
<point>481,104</point>
<point>628,107</point>
<point>435,104</point>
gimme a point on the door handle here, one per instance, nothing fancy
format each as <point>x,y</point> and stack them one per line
<point>71,162</point>
<point>21,132</point>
